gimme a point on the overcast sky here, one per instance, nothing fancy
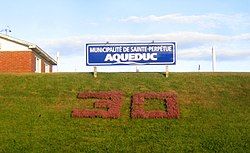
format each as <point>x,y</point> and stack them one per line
<point>196,25</point>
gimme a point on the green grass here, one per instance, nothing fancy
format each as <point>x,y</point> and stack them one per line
<point>35,113</point>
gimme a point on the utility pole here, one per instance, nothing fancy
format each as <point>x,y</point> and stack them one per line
<point>57,60</point>
<point>213,59</point>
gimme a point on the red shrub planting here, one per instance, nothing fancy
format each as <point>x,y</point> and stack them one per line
<point>112,101</point>
<point>172,110</point>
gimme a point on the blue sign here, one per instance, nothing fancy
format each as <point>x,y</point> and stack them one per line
<point>163,53</point>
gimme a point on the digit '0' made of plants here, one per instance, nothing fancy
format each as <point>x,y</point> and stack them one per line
<point>171,107</point>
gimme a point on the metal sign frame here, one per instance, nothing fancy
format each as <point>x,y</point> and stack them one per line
<point>96,53</point>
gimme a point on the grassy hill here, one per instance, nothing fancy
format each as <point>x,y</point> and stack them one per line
<point>35,113</point>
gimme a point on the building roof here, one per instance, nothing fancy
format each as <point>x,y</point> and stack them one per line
<point>31,46</point>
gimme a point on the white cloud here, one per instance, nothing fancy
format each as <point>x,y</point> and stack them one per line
<point>245,36</point>
<point>223,53</point>
<point>72,45</point>
<point>191,46</point>
<point>206,20</point>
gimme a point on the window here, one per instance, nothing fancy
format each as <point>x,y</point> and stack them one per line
<point>38,65</point>
<point>47,68</point>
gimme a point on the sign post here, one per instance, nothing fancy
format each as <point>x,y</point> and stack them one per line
<point>167,71</point>
<point>95,72</point>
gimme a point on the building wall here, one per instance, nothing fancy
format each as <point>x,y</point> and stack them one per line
<point>17,61</point>
<point>43,66</point>
<point>50,68</point>
<point>33,62</point>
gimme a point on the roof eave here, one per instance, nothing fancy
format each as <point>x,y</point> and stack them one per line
<point>31,46</point>
<point>42,53</point>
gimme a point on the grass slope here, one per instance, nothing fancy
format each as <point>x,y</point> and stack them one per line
<point>35,113</point>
